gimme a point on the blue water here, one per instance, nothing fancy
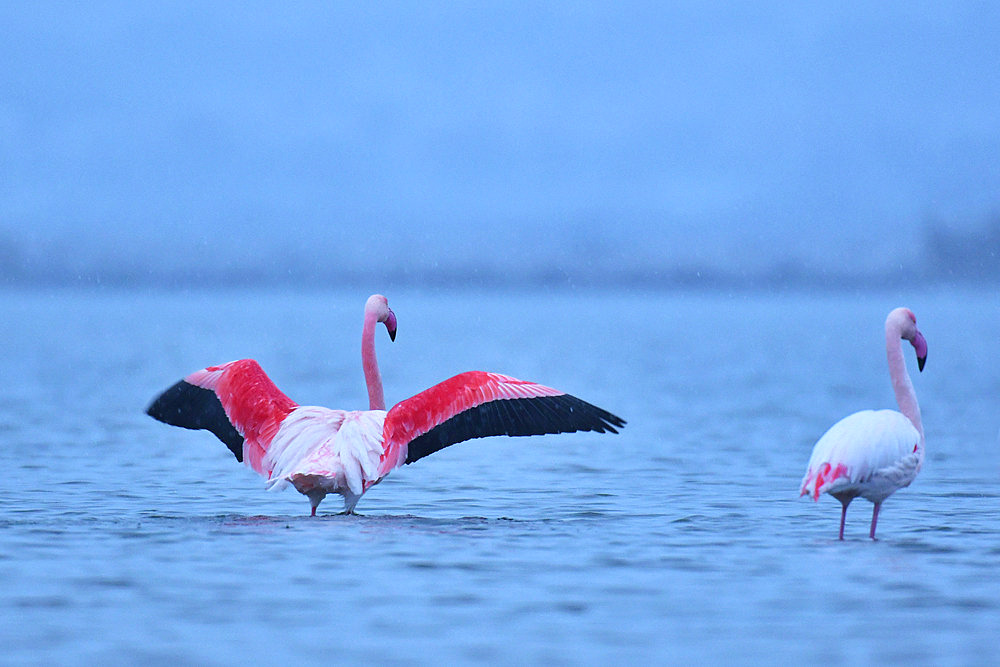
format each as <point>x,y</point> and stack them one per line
<point>125,540</point>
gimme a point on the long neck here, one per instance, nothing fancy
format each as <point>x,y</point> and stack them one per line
<point>376,399</point>
<point>906,398</point>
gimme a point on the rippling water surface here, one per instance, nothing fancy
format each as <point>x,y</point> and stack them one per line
<point>122,539</point>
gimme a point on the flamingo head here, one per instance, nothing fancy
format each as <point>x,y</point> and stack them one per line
<point>378,305</point>
<point>906,321</point>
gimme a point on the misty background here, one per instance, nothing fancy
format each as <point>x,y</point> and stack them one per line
<point>499,142</point>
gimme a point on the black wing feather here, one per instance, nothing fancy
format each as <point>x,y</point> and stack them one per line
<point>515,417</point>
<point>189,406</point>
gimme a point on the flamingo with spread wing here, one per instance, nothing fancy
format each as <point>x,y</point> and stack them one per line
<point>319,451</point>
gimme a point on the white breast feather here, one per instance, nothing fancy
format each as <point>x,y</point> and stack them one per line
<point>305,430</point>
<point>342,447</point>
<point>875,446</point>
<point>359,444</point>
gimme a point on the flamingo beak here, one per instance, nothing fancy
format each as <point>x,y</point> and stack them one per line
<point>920,345</point>
<point>390,325</point>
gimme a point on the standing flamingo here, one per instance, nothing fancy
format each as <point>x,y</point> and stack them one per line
<point>873,453</point>
<point>321,451</point>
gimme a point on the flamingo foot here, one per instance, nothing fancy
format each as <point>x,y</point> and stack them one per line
<point>314,511</point>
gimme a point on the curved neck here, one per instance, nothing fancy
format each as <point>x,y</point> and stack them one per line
<point>906,398</point>
<point>376,399</point>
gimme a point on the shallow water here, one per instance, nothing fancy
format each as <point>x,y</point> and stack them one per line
<point>122,539</point>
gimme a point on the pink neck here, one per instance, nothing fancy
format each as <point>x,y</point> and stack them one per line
<point>906,398</point>
<point>376,399</point>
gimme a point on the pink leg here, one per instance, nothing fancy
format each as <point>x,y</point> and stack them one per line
<point>874,520</point>
<point>843,516</point>
<point>315,496</point>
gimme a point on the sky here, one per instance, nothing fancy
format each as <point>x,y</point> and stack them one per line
<point>405,138</point>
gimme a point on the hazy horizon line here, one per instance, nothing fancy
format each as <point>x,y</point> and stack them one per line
<point>790,275</point>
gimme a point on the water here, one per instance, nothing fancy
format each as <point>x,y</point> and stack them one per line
<point>124,540</point>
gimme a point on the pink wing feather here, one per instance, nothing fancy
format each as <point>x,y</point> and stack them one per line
<point>237,401</point>
<point>478,404</point>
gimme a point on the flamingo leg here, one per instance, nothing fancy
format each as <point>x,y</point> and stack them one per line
<point>874,520</point>
<point>315,496</point>
<point>843,517</point>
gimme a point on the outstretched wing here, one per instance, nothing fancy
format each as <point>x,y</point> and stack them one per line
<point>478,404</point>
<point>235,401</point>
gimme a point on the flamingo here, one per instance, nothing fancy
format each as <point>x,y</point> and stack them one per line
<point>319,451</point>
<point>873,453</point>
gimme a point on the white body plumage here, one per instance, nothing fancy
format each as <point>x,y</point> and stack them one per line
<point>874,453</point>
<point>880,451</point>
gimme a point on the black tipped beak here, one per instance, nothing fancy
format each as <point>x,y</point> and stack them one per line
<point>920,347</point>
<point>390,325</point>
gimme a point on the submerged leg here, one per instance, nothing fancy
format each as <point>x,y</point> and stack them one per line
<point>843,516</point>
<point>350,500</point>
<point>874,520</point>
<point>315,496</point>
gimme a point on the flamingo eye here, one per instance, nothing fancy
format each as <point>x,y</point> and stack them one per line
<point>913,318</point>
